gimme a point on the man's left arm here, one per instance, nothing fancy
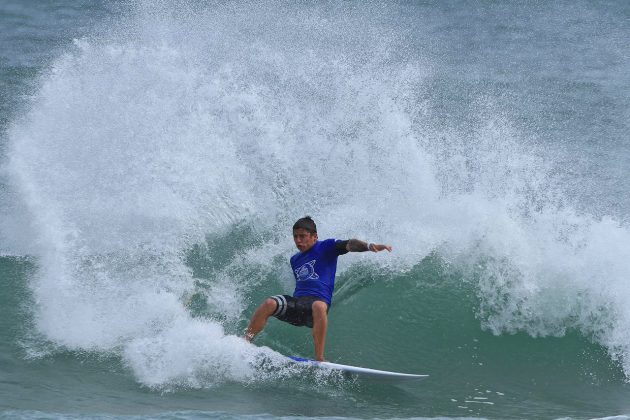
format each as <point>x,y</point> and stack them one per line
<point>356,245</point>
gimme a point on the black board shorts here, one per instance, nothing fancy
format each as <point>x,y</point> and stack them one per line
<point>297,311</point>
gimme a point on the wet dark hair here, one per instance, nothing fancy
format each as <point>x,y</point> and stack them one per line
<point>306,223</point>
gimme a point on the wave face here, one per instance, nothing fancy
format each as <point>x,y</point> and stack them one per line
<point>162,162</point>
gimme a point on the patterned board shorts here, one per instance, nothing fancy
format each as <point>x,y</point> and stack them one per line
<point>297,311</point>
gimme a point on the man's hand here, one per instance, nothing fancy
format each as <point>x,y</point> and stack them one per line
<point>380,247</point>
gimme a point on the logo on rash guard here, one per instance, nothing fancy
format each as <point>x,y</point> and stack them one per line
<point>306,272</point>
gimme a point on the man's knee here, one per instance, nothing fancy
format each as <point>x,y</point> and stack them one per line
<point>269,305</point>
<point>320,308</point>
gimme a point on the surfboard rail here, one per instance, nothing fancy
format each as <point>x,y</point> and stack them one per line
<point>361,371</point>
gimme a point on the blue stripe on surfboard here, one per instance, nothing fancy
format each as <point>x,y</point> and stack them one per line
<point>300,359</point>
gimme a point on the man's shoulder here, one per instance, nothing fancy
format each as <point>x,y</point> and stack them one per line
<point>326,245</point>
<point>334,246</point>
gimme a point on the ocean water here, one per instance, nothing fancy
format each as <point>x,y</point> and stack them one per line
<point>155,154</point>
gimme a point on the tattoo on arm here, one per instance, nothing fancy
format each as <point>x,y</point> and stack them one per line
<point>355,245</point>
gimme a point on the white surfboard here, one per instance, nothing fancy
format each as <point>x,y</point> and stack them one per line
<point>382,375</point>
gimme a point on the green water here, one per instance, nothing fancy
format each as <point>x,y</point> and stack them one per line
<point>430,329</point>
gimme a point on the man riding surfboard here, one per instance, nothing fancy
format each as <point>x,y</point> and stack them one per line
<point>314,268</point>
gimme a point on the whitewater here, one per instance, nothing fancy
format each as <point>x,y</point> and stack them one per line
<point>151,176</point>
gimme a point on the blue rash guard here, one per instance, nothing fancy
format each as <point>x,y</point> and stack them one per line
<point>315,269</point>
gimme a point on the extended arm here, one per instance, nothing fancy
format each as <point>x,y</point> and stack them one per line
<point>356,245</point>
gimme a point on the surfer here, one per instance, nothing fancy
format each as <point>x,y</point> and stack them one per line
<point>314,268</point>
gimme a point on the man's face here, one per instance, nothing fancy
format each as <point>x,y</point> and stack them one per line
<point>304,240</point>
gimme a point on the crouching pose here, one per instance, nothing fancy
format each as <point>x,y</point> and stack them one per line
<point>314,268</point>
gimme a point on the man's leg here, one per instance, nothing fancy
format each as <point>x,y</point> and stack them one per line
<point>262,314</point>
<point>320,325</point>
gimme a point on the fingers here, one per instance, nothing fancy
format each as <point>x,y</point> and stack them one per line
<point>379,247</point>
